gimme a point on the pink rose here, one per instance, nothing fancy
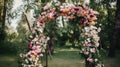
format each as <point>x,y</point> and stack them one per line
<point>38,51</point>
<point>92,50</point>
<point>86,53</point>
<point>90,60</point>
<point>61,10</point>
<point>34,48</point>
<point>35,39</point>
<point>30,45</point>
<point>76,8</point>
<point>31,36</point>
<point>47,6</point>
<point>37,47</point>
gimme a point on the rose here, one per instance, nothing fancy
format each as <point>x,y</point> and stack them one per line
<point>47,6</point>
<point>38,51</point>
<point>30,45</point>
<point>31,36</point>
<point>87,53</point>
<point>34,48</point>
<point>90,60</point>
<point>92,50</point>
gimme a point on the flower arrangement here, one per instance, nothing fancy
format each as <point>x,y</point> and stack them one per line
<point>85,18</point>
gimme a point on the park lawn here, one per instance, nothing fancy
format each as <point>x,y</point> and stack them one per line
<point>61,58</point>
<point>66,59</point>
<point>8,61</point>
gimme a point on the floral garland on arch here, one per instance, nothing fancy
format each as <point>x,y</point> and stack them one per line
<point>50,12</point>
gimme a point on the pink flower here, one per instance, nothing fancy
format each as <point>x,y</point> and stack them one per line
<point>73,11</point>
<point>76,8</point>
<point>90,60</point>
<point>87,53</point>
<point>92,50</point>
<point>65,10</point>
<point>37,47</point>
<point>38,51</point>
<point>37,42</point>
<point>38,24</point>
<point>91,15</point>
<point>35,39</point>
<point>93,12</point>
<point>51,16</point>
<point>89,44</point>
<point>86,23</point>
<point>33,53</point>
<point>34,48</point>
<point>30,45</point>
<point>47,6</point>
<point>43,13</point>
<point>31,36</point>
<point>61,10</point>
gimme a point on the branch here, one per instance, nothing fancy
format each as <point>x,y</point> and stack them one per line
<point>27,22</point>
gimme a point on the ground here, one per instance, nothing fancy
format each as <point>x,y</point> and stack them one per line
<point>61,58</point>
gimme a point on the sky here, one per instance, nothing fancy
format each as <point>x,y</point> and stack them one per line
<point>16,3</point>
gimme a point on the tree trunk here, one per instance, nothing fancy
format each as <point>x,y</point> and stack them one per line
<point>114,39</point>
<point>51,45</point>
<point>4,15</point>
<point>2,33</point>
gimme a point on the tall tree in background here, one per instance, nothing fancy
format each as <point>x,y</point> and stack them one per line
<point>2,20</point>
<point>114,39</point>
<point>5,10</point>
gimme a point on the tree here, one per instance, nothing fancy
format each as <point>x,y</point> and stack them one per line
<point>3,21</point>
<point>4,14</point>
<point>115,32</point>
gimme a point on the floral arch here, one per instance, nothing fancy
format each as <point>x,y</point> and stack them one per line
<point>82,15</point>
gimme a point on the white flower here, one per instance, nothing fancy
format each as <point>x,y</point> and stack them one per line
<point>97,44</point>
<point>87,29</point>
<point>96,60</point>
<point>92,50</point>
<point>41,55</point>
<point>57,4</point>
<point>26,61</point>
<point>99,29</point>
<point>93,27</point>
<point>88,39</point>
<point>48,38</point>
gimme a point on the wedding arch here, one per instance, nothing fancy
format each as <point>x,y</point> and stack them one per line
<point>81,15</point>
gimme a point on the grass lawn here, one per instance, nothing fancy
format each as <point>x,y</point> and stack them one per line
<point>61,58</point>
<point>8,61</point>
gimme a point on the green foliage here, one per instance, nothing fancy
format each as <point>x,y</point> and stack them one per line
<point>106,19</point>
<point>3,34</point>
<point>7,47</point>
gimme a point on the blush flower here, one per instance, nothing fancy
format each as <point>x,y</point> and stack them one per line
<point>92,50</point>
<point>47,6</point>
<point>90,60</point>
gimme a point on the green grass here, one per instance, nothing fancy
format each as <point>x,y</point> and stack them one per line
<point>61,58</point>
<point>8,61</point>
<point>113,62</point>
<point>66,59</point>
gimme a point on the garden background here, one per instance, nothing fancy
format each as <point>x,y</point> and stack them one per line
<point>13,41</point>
